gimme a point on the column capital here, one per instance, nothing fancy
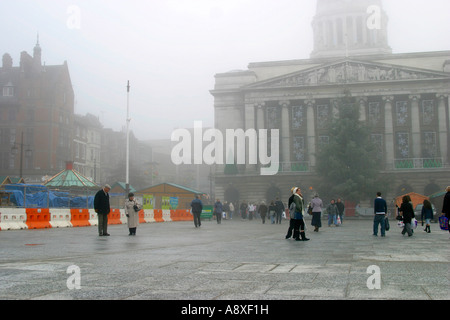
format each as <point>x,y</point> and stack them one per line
<point>414,97</point>
<point>362,100</point>
<point>285,103</point>
<point>442,96</point>
<point>259,104</point>
<point>388,98</point>
<point>310,102</point>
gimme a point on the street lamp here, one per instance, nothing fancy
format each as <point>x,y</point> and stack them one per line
<point>15,151</point>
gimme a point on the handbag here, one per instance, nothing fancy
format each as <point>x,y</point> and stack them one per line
<point>387,226</point>
<point>443,223</point>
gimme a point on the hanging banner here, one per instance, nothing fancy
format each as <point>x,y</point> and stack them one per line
<point>165,203</point>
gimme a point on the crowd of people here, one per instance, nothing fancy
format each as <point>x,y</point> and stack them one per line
<point>276,211</point>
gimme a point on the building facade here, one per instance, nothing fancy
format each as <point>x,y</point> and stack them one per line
<point>36,116</point>
<point>403,99</point>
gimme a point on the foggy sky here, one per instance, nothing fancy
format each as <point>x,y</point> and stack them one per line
<point>170,50</point>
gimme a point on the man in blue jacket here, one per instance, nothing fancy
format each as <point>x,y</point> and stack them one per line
<point>380,210</point>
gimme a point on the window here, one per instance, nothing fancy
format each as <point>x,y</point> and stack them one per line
<point>8,91</point>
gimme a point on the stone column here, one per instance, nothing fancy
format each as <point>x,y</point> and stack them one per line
<point>362,109</point>
<point>311,131</point>
<point>415,126</point>
<point>443,131</point>
<point>389,132</point>
<point>250,123</point>
<point>285,132</point>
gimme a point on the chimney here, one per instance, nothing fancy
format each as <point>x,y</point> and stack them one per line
<point>69,165</point>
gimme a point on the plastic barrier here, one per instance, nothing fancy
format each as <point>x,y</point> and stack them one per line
<point>13,219</point>
<point>166,216</point>
<point>149,216</point>
<point>174,215</point>
<point>114,217</point>
<point>158,215</point>
<point>38,218</point>
<point>93,217</point>
<point>60,218</point>
<point>80,217</point>
<point>185,215</point>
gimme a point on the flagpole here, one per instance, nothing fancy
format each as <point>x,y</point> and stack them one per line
<point>127,179</point>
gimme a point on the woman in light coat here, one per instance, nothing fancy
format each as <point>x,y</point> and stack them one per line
<point>132,208</point>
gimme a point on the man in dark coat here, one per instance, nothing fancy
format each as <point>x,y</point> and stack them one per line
<point>101,206</point>
<point>197,207</point>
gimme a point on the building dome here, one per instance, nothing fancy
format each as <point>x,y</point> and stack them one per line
<point>349,28</point>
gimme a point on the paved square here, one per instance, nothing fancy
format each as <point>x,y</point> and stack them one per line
<point>236,260</point>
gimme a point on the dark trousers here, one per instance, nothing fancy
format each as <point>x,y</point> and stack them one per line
<point>278,217</point>
<point>291,227</point>
<point>219,217</point>
<point>132,231</point>
<point>102,224</point>
<point>299,227</point>
<point>197,221</point>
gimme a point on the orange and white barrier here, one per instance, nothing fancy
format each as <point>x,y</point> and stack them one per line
<point>37,218</point>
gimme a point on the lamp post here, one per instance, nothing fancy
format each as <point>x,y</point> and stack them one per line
<point>15,150</point>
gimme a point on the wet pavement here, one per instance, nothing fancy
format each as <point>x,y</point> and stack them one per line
<point>236,260</point>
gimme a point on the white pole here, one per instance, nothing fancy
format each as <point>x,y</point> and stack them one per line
<point>127,181</point>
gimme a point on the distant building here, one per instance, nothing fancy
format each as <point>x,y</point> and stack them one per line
<point>36,102</point>
<point>403,98</point>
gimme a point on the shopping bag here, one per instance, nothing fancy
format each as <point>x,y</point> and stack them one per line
<point>443,223</point>
<point>387,226</point>
<point>400,224</point>
<point>413,223</point>
<point>338,220</point>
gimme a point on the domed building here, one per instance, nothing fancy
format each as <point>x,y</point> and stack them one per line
<point>402,97</point>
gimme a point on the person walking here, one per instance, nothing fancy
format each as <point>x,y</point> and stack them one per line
<point>197,207</point>
<point>243,209</point>
<point>279,210</point>
<point>231,210</point>
<point>316,205</point>
<point>446,207</point>
<point>427,214</point>
<point>263,211</point>
<point>291,219</point>
<point>218,210</point>
<point>407,212</point>
<point>272,211</point>
<point>299,223</point>
<point>102,208</point>
<point>332,212</point>
<point>132,208</point>
<point>380,211</point>
<point>341,209</point>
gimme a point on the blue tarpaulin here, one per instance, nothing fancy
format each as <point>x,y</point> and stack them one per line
<point>38,196</point>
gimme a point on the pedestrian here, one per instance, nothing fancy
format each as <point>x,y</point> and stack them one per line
<point>427,214</point>
<point>272,211</point>
<point>279,210</point>
<point>243,209</point>
<point>380,211</point>
<point>299,223</point>
<point>446,206</point>
<point>316,206</point>
<point>231,210</point>
<point>197,208</point>
<point>226,209</point>
<point>102,208</point>
<point>332,212</point>
<point>407,212</point>
<point>341,209</point>
<point>291,219</point>
<point>263,211</point>
<point>132,208</point>
<point>251,211</point>
<point>218,210</point>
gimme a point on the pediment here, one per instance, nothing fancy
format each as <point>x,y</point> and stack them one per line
<point>347,72</point>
